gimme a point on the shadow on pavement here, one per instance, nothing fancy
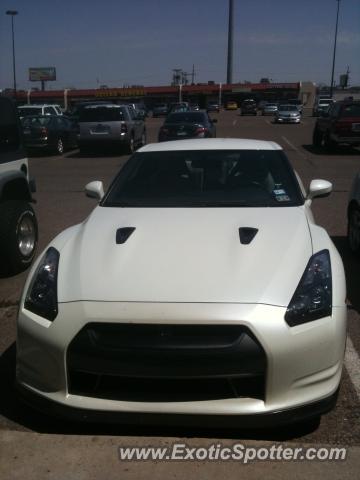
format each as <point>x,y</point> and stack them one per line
<point>352,269</point>
<point>19,416</point>
<point>340,150</point>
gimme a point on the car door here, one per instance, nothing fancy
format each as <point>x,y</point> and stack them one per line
<point>138,125</point>
<point>63,130</point>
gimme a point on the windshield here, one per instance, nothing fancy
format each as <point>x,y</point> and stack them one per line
<point>351,110</point>
<point>288,108</point>
<point>213,178</point>
<point>101,114</point>
<point>36,121</point>
<point>185,118</point>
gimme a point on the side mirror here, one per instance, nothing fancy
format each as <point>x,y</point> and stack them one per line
<point>319,188</point>
<point>95,190</point>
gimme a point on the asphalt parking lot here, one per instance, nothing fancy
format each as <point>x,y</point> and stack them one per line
<point>62,203</point>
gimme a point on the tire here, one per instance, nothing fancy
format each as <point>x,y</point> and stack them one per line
<point>18,236</point>
<point>59,149</point>
<point>327,143</point>
<point>130,147</point>
<point>353,232</point>
<point>317,137</point>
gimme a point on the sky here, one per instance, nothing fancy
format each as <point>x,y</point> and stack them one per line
<point>139,42</point>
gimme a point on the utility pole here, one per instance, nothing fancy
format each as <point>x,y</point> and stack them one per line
<point>334,53</point>
<point>230,43</point>
<point>193,75</point>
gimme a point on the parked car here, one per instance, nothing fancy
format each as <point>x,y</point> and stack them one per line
<point>287,114</point>
<point>321,106</point>
<point>353,216</point>
<point>270,109</point>
<point>194,107</point>
<point>160,110</point>
<point>45,109</point>
<point>18,225</point>
<point>111,125</point>
<point>248,107</point>
<point>231,106</point>
<point>187,125</point>
<point>261,105</point>
<point>213,107</point>
<point>50,132</point>
<point>339,125</point>
<point>166,301</point>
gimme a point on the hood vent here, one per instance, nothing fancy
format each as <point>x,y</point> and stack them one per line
<point>122,234</point>
<point>247,234</point>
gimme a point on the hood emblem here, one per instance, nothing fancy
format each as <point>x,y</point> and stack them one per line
<point>122,234</point>
<point>247,234</point>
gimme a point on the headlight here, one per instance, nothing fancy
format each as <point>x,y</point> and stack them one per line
<point>41,297</point>
<point>313,297</point>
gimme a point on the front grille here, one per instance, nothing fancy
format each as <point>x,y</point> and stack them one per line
<point>166,362</point>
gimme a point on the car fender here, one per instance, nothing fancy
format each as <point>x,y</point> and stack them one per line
<point>322,241</point>
<point>14,185</point>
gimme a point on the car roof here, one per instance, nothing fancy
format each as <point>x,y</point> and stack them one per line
<point>211,144</point>
<point>105,105</point>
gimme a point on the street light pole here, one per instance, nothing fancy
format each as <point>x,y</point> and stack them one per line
<point>229,75</point>
<point>334,53</point>
<point>13,13</point>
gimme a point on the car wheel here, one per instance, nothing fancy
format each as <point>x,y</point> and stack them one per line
<point>353,233</point>
<point>317,137</point>
<point>18,235</point>
<point>59,147</point>
<point>327,142</point>
<point>130,147</point>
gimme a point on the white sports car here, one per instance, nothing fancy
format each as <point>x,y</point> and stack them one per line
<point>200,286</point>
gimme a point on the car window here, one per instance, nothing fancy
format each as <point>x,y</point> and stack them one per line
<point>101,114</point>
<point>36,121</point>
<point>23,112</point>
<point>334,110</point>
<point>351,110</point>
<point>49,111</point>
<point>249,178</point>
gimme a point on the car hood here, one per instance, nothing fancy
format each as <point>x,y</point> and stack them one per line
<point>186,255</point>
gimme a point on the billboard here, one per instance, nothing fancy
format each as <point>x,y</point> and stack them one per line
<point>45,74</point>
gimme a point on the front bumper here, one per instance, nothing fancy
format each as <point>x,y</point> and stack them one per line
<point>262,420</point>
<point>288,119</point>
<point>303,363</point>
<point>354,140</point>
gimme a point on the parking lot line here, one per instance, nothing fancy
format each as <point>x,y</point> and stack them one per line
<point>352,364</point>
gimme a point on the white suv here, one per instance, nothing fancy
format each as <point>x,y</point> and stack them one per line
<point>45,109</point>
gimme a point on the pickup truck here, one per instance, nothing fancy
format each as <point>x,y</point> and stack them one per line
<point>18,225</point>
<point>338,125</point>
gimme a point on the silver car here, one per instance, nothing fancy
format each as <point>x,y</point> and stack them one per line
<point>111,124</point>
<point>270,109</point>
<point>287,114</point>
